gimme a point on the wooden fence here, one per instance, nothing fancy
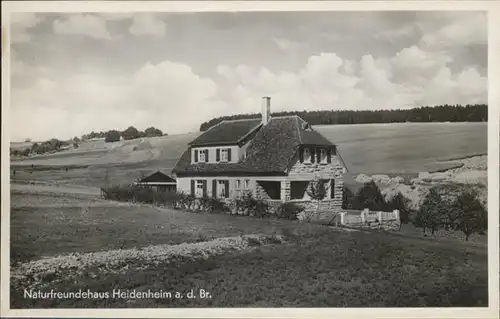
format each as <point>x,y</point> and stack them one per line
<point>355,217</point>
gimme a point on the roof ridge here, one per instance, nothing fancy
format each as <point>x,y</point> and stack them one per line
<point>240,120</point>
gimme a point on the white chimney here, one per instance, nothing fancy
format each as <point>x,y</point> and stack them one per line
<point>266,109</point>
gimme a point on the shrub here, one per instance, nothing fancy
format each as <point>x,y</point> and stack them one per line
<point>131,133</point>
<point>26,152</point>
<point>369,196</point>
<point>252,206</point>
<point>402,204</point>
<point>112,136</point>
<point>347,198</point>
<point>288,211</point>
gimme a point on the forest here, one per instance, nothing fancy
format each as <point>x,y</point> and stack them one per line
<point>440,113</point>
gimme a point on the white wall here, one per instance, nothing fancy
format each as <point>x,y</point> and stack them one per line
<point>184,184</point>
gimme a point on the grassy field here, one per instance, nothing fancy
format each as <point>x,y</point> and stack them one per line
<point>318,267</point>
<point>61,224</point>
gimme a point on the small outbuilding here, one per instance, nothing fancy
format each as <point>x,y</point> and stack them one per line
<point>160,181</point>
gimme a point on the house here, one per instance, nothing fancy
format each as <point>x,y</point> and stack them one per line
<point>273,158</point>
<point>159,181</point>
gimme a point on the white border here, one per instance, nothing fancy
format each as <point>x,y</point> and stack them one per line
<point>178,6</point>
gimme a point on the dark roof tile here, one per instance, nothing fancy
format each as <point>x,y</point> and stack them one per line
<point>226,132</point>
<point>269,152</point>
<point>157,177</point>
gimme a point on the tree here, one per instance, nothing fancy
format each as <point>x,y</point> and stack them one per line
<point>75,145</point>
<point>130,133</point>
<point>402,204</point>
<point>26,152</point>
<point>369,196</point>
<point>472,217</point>
<point>112,136</point>
<point>317,190</point>
<point>347,198</point>
<point>432,214</point>
<point>152,131</point>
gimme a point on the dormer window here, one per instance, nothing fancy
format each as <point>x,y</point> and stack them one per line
<point>223,155</point>
<point>202,156</point>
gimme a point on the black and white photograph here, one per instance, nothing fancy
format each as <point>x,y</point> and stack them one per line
<point>248,159</point>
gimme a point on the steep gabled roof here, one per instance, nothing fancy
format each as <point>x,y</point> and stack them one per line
<point>226,132</point>
<point>269,152</point>
<point>157,177</point>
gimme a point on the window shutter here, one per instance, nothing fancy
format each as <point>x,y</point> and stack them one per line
<point>229,155</point>
<point>196,156</point>
<point>206,156</point>
<point>217,155</point>
<point>214,188</point>
<point>227,188</point>
<point>312,155</point>
<point>332,188</point>
<point>205,188</point>
<point>301,154</point>
<point>328,155</point>
<point>192,187</point>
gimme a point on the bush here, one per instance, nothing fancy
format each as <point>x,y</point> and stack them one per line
<point>112,136</point>
<point>369,196</point>
<point>288,211</point>
<point>131,133</point>
<point>252,206</point>
<point>347,198</point>
<point>402,204</point>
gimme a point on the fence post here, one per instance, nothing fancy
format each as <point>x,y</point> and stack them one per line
<point>396,214</point>
<point>342,218</point>
<point>379,215</point>
<point>364,214</point>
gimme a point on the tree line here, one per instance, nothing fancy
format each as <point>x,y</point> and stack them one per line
<point>54,145</point>
<point>440,113</point>
<point>129,134</point>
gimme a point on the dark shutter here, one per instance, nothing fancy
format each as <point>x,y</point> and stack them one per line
<point>332,188</point>
<point>328,155</point>
<point>312,155</point>
<point>227,188</point>
<point>196,156</point>
<point>214,188</point>
<point>206,156</point>
<point>192,187</point>
<point>301,154</point>
<point>217,155</point>
<point>205,188</point>
<point>318,155</point>
<point>229,155</point>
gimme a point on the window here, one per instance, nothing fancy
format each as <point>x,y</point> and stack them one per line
<point>199,188</point>
<point>247,183</point>
<point>323,156</point>
<point>201,155</point>
<point>221,189</point>
<point>223,155</point>
<point>307,155</point>
<point>238,183</point>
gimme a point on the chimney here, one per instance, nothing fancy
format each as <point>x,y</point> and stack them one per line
<point>266,109</point>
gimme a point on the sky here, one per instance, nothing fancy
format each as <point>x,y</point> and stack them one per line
<point>72,73</point>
